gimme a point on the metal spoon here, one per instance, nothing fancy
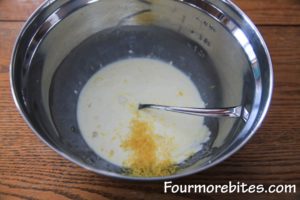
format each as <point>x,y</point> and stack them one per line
<point>235,112</point>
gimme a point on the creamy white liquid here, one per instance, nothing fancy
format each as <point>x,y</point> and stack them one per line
<point>109,101</point>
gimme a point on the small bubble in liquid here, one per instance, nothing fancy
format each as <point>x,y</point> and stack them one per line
<point>73,129</point>
<point>212,87</point>
<point>75,91</point>
<point>130,51</point>
<point>201,54</point>
<point>195,48</point>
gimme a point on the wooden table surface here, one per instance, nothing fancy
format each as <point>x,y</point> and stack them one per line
<point>31,170</point>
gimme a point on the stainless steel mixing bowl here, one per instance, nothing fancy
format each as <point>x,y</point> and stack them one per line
<point>66,41</point>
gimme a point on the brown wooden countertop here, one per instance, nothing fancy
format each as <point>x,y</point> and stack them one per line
<point>31,170</point>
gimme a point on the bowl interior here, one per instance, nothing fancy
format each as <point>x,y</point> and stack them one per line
<point>76,39</point>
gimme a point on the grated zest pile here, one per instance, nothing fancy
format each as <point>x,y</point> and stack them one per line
<point>144,146</point>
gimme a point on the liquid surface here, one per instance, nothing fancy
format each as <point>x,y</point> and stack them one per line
<point>148,141</point>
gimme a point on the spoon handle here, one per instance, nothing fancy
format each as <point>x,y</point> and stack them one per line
<point>235,112</point>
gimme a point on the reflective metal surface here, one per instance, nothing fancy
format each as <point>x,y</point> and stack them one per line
<point>66,41</point>
<point>235,112</point>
